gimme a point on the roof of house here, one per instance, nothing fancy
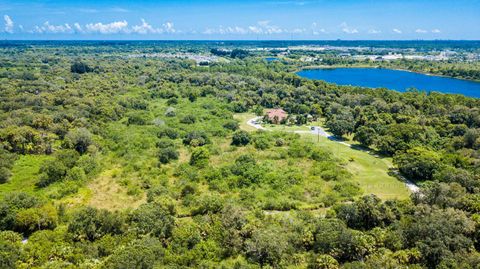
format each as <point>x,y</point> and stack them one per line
<point>280,113</point>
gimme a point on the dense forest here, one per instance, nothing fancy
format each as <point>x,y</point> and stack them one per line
<point>111,161</point>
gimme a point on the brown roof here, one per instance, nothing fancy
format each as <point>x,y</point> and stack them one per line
<point>280,113</point>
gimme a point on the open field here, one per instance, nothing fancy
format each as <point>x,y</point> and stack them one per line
<point>24,175</point>
<point>370,171</point>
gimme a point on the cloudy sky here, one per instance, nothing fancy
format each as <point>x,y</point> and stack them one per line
<point>245,19</point>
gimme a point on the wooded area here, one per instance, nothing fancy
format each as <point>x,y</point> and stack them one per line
<point>110,161</point>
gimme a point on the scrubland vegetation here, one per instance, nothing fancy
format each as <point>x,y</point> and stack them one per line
<point>108,161</point>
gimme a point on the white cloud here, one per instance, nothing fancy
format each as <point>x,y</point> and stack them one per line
<point>78,28</point>
<point>261,28</point>
<point>227,30</point>
<point>109,28</point>
<point>53,29</point>
<point>347,29</point>
<point>316,30</point>
<point>298,31</point>
<point>421,31</point>
<point>118,27</point>
<point>436,31</point>
<point>374,31</point>
<point>145,28</point>
<point>169,28</point>
<point>397,31</point>
<point>8,24</point>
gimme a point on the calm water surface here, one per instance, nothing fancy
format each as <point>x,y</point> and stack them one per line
<point>271,59</point>
<point>393,79</point>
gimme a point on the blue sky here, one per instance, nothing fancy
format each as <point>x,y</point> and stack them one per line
<point>246,19</point>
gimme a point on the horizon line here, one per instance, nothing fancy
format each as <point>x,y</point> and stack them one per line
<point>242,40</point>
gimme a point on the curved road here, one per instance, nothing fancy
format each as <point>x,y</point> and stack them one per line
<point>317,130</point>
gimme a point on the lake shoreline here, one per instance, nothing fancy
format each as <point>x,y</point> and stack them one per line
<point>379,67</point>
<point>393,79</point>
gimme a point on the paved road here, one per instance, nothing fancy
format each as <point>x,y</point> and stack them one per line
<point>317,130</point>
<point>254,123</point>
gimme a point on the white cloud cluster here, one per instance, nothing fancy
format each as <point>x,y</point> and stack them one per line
<point>264,27</point>
<point>108,28</point>
<point>347,29</point>
<point>316,30</point>
<point>8,24</point>
<point>261,28</point>
<point>53,29</point>
<point>116,27</point>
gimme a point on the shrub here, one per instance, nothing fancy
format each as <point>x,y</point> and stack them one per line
<point>231,125</point>
<point>196,138</point>
<point>189,119</point>
<point>240,138</point>
<point>141,253</point>
<point>36,218</point>
<point>5,174</point>
<point>209,203</point>
<point>199,157</point>
<point>79,67</point>
<point>261,143</point>
<point>279,142</point>
<point>76,174</point>
<point>418,163</point>
<point>155,219</point>
<point>78,139</point>
<point>167,132</point>
<point>165,155</point>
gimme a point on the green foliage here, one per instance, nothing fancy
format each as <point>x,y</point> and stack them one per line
<point>153,219</point>
<point>418,163</point>
<point>10,249</point>
<point>267,246</point>
<point>199,157</point>
<point>196,138</point>
<point>78,139</point>
<point>142,254</point>
<point>36,218</point>
<point>279,201</point>
<point>167,151</point>
<point>90,224</point>
<point>79,67</point>
<point>367,213</point>
<point>241,138</point>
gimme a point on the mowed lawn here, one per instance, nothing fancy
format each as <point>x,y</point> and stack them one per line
<point>243,118</point>
<point>370,171</point>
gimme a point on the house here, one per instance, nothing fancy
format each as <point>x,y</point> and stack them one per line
<point>276,116</point>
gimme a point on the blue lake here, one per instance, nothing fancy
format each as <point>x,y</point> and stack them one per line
<point>393,79</point>
<point>271,59</point>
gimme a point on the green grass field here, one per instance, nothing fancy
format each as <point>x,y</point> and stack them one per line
<point>369,171</point>
<point>24,175</point>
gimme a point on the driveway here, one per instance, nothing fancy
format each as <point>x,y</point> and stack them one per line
<point>317,130</point>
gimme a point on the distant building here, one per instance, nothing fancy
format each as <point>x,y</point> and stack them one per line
<point>276,116</point>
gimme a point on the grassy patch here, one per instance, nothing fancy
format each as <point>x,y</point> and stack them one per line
<point>243,118</point>
<point>370,171</point>
<point>24,175</point>
<point>107,193</point>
